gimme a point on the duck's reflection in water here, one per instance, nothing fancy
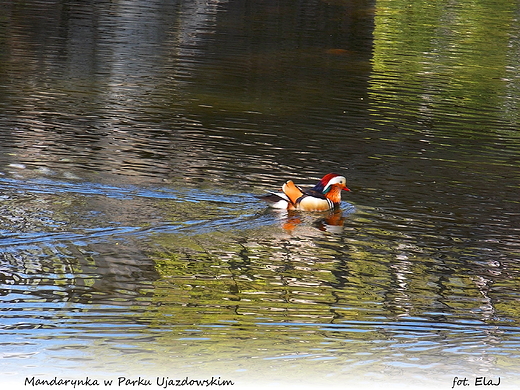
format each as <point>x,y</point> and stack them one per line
<point>331,221</point>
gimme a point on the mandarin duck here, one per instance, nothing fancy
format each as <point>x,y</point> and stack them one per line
<point>325,195</point>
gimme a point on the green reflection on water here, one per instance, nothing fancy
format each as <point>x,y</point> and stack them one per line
<point>448,56</point>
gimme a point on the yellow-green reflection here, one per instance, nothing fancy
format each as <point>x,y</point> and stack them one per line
<point>440,54</point>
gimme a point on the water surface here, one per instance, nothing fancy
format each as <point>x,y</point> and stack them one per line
<point>134,138</point>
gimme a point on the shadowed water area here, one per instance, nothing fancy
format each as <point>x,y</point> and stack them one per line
<point>135,137</point>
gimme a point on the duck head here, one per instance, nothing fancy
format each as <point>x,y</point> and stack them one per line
<point>329,181</point>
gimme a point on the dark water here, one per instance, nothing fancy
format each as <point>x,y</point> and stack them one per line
<point>134,137</point>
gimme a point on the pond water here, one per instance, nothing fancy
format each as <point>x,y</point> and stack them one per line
<point>135,137</point>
